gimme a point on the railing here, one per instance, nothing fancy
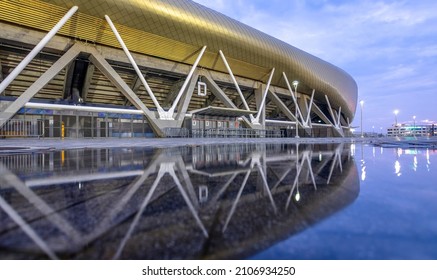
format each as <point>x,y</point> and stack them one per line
<point>22,128</point>
<point>171,132</point>
<point>222,133</point>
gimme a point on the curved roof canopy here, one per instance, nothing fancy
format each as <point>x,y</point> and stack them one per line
<point>177,29</point>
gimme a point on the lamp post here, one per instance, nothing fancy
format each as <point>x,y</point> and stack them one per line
<point>414,125</point>
<point>295,83</point>
<point>361,104</point>
<point>396,112</point>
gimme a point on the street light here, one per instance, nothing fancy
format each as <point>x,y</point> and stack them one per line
<point>362,103</point>
<point>414,126</point>
<point>396,112</point>
<point>295,83</point>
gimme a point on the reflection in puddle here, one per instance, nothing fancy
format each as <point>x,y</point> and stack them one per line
<point>218,202</point>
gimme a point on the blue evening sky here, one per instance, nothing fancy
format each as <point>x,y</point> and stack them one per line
<point>389,47</point>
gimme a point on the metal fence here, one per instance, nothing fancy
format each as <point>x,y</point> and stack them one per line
<point>222,133</point>
<point>22,128</point>
<point>84,127</point>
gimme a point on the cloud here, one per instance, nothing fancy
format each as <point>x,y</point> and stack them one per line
<point>389,47</point>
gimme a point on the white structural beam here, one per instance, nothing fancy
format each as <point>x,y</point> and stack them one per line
<point>49,106</point>
<point>218,92</point>
<point>234,80</point>
<point>134,65</point>
<point>331,112</point>
<point>293,96</point>
<point>170,112</point>
<point>335,118</point>
<point>263,101</point>
<point>339,117</point>
<point>308,120</point>
<point>183,105</point>
<point>20,67</point>
<point>9,210</point>
<point>320,113</point>
<point>164,115</point>
<point>282,107</point>
<point>60,64</point>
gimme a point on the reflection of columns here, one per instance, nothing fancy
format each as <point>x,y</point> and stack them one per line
<point>237,199</point>
<point>336,161</point>
<point>296,179</point>
<point>164,168</point>
<point>26,228</point>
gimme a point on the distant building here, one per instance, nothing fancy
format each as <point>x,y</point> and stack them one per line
<point>412,130</point>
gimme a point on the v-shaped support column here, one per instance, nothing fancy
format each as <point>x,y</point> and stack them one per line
<point>42,81</point>
<point>218,92</point>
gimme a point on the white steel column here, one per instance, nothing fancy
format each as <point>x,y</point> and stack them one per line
<point>292,96</point>
<point>307,120</point>
<point>164,115</point>
<point>5,83</point>
<point>134,65</point>
<point>170,112</point>
<point>331,112</point>
<point>261,106</point>
<point>335,118</point>
<point>46,77</point>
<point>234,80</point>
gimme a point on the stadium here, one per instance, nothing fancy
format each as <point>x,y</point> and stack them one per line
<point>156,68</point>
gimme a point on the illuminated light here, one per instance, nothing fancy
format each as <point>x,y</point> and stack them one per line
<point>363,173</point>
<point>397,168</point>
<point>415,163</point>
<point>411,152</point>
<point>320,156</point>
<point>399,152</point>
<point>361,119</point>
<point>353,147</point>
<point>297,196</point>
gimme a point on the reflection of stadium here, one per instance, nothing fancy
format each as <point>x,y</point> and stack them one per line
<point>193,202</point>
<point>184,70</point>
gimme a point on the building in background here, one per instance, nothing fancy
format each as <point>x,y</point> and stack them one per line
<point>408,129</point>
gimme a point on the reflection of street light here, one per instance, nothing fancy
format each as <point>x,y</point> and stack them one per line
<point>297,196</point>
<point>362,103</point>
<point>295,83</point>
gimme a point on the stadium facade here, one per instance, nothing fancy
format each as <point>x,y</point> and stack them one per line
<point>104,68</point>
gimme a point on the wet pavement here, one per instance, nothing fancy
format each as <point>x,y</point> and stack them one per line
<point>192,202</point>
<point>212,199</point>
